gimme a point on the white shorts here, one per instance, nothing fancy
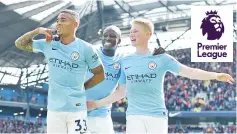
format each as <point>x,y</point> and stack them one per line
<point>146,124</point>
<point>100,125</point>
<point>67,122</point>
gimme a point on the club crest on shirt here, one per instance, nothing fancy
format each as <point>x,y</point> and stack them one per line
<point>75,55</point>
<point>152,65</point>
<point>116,66</point>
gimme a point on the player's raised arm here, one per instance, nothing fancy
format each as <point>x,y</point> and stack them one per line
<point>25,41</point>
<point>198,74</point>
<point>194,73</point>
<point>118,94</point>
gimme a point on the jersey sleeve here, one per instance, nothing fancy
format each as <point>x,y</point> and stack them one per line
<point>39,45</point>
<point>122,78</point>
<point>172,64</point>
<point>92,58</point>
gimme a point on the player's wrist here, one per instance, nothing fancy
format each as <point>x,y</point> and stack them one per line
<point>215,76</point>
<point>98,104</point>
<point>36,30</point>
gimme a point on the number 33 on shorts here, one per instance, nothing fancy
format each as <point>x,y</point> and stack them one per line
<point>81,126</point>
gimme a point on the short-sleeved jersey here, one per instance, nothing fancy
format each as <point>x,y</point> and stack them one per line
<point>68,65</point>
<point>144,78</point>
<point>112,72</point>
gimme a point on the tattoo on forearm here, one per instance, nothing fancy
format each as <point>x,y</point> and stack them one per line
<point>25,42</point>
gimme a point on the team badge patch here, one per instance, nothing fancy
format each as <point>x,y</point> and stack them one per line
<point>152,65</point>
<point>75,55</point>
<point>116,66</point>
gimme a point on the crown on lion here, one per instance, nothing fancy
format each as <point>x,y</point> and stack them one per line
<point>212,12</point>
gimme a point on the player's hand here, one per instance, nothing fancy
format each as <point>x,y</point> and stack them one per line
<point>47,32</point>
<point>91,105</point>
<point>224,78</point>
<point>158,51</point>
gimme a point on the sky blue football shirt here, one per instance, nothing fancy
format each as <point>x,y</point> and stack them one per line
<point>68,65</point>
<point>112,72</point>
<point>144,79</point>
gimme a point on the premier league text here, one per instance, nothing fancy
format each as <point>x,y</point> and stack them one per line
<point>215,50</point>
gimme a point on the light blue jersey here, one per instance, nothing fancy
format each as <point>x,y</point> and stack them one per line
<point>144,79</point>
<point>68,65</point>
<point>112,72</point>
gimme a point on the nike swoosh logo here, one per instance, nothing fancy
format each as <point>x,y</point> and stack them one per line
<point>174,114</point>
<point>54,49</point>
<point>78,104</point>
<point>127,68</point>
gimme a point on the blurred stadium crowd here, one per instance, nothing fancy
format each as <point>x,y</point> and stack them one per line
<point>181,94</point>
<point>19,126</point>
<point>209,128</point>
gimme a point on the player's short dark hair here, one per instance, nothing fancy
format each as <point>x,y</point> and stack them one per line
<point>73,13</point>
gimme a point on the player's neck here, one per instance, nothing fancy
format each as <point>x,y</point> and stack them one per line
<point>108,52</point>
<point>142,49</point>
<point>65,40</point>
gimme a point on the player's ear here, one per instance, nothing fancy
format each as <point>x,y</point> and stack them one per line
<point>158,51</point>
<point>119,41</point>
<point>148,34</point>
<point>76,24</point>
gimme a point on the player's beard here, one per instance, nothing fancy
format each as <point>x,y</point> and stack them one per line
<point>59,32</point>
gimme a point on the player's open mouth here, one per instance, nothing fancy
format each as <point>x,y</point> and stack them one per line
<point>107,43</point>
<point>58,30</point>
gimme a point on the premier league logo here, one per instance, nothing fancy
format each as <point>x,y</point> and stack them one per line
<point>212,26</point>
<point>211,33</point>
<point>75,55</point>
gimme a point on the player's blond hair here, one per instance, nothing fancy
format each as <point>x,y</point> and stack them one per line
<point>146,23</point>
<point>72,13</point>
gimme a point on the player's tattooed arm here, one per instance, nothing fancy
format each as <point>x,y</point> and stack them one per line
<point>97,78</point>
<point>25,41</point>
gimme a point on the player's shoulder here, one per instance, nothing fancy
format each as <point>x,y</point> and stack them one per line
<point>163,56</point>
<point>40,41</point>
<point>44,43</point>
<point>119,54</point>
<point>167,56</point>
<point>126,56</point>
<point>84,43</point>
<point>86,46</point>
